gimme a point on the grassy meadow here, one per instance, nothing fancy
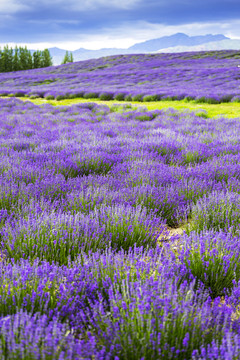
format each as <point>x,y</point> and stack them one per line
<point>231,109</point>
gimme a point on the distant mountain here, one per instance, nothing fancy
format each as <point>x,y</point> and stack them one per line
<point>87,54</point>
<point>230,44</point>
<point>176,41</point>
<point>84,54</point>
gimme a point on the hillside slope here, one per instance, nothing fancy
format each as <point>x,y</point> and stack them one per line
<point>198,75</point>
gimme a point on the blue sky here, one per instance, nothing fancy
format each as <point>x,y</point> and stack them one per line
<point>71,24</point>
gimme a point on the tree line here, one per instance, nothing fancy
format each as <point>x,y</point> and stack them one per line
<point>21,58</point>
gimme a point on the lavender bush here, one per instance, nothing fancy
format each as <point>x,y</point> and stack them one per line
<point>219,211</point>
<point>212,259</point>
<point>93,264</point>
<point>203,76</point>
<point>35,337</point>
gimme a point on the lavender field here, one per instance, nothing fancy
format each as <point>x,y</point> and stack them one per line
<point>200,76</point>
<point>119,232</point>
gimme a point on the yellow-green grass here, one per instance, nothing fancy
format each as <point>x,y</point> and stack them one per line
<point>231,109</point>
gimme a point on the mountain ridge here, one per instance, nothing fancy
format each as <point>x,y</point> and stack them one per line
<point>176,39</point>
<point>153,45</point>
<point>231,44</point>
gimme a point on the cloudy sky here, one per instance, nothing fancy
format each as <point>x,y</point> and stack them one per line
<point>94,24</point>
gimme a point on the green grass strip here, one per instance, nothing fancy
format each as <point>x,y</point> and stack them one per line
<point>230,110</point>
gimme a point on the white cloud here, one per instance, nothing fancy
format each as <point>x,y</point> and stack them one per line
<point>45,22</point>
<point>142,30</point>
<point>95,4</point>
<point>90,42</point>
<point>130,33</point>
<point>12,6</point>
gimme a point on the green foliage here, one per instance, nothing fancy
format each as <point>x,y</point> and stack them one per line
<point>7,59</point>
<point>145,331</point>
<point>68,57</point>
<point>191,157</point>
<point>200,100</point>
<point>19,94</point>
<point>126,227</point>
<point>189,98</point>
<point>137,97</point>
<point>76,95</point>
<point>60,240</point>
<point>229,110</point>
<point>24,291</point>
<point>119,96</point>
<point>50,97</point>
<point>217,211</point>
<point>94,165</point>
<point>226,98</point>
<point>165,210</point>
<point>144,117</point>
<point>37,59</point>
<point>90,95</point>
<point>207,100</point>
<point>236,99</point>
<point>60,97</point>
<point>106,96</point>
<point>212,101</point>
<point>202,113</point>
<point>150,98</point>
<point>230,56</point>
<point>22,59</point>
<point>46,58</point>
<point>214,264</point>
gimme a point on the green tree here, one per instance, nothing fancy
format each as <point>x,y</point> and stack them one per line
<point>16,64</point>
<point>68,57</point>
<point>7,58</point>
<point>23,58</point>
<point>37,59</point>
<point>71,57</point>
<point>29,59</point>
<point>46,58</point>
<point>10,59</point>
<point>1,61</point>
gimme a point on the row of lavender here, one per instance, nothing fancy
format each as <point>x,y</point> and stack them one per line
<point>87,194</point>
<point>206,77</point>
